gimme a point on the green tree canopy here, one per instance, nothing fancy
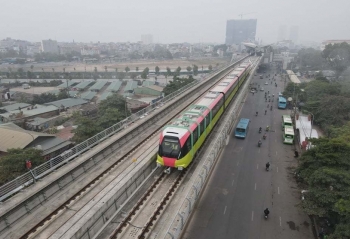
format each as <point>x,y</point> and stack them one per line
<point>195,70</point>
<point>13,164</point>
<point>176,84</point>
<point>189,69</point>
<point>157,70</point>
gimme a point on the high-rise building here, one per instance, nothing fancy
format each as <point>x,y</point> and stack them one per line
<point>147,39</point>
<point>50,46</point>
<point>294,33</point>
<point>238,31</point>
<point>282,33</point>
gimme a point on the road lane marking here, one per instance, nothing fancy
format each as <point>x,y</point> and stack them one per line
<point>275,140</point>
<point>252,215</point>
<point>278,190</point>
<point>255,186</point>
<point>237,163</point>
<point>259,150</point>
<point>225,210</point>
<point>276,152</point>
<point>277,169</point>
<point>232,182</point>
<point>257,166</point>
<point>227,140</point>
<point>280,221</point>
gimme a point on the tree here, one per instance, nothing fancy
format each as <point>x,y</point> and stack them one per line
<point>189,69</point>
<point>337,56</point>
<point>127,69</point>
<point>113,102</point>
<point>176,84</point>
<point>195,70</point>
<point>178,70</point>
<point>157,70</point>
<point>310,59</point>
<point>86,129</point>
<point>13,164</point>
<point>109,117</point>
<point>133,75</point>
<point>210,67</point>
<point>121,75</point>
<point>137,68</point>
<point>168,70</point>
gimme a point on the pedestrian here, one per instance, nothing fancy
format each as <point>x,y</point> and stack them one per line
<point>265,112</point>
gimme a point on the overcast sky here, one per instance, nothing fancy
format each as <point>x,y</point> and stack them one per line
<point>169,20</point>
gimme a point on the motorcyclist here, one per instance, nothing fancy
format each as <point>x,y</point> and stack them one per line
<point>271,107</point>
<point>264,137</point>
<point>265,112</point>
<point>260,130</point>
<point>268,105</point>
<point>266,212</point>
<point>256,113</point>
<point>267,165</point>
<point>259,143</point>
<point>267,128</point>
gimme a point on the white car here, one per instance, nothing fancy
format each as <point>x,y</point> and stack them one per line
<point>266,83</point>
<point>261,89</point>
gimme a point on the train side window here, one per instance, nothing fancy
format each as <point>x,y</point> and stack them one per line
<point>195,135</point>
<point>202,127</point>
<point>187,147</point>
<point>207,119</point>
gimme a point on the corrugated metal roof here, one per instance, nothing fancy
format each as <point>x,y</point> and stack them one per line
<point>131,85</point>
<point>70,102</point>
<point>15,106</point>
<point>88,95</point>
<point>83,85</point>
<point>105,95</point>
<point>13,136</point>
<point>64,84</point>
<point>40,109</point>
<point>98,85</point>
<point>147,83</point>
<point>114,86</point>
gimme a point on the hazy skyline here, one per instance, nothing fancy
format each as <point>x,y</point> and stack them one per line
<point>169,21</point>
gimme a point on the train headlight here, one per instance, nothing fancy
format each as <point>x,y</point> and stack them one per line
<point>159,165</point>
<point>180,168</point>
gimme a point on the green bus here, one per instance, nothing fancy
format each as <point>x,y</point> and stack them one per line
<point>288,135</point>
<point>286,121</point>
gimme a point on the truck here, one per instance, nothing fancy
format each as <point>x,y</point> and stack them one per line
<point>26,86</point>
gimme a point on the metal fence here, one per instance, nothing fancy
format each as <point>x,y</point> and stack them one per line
<point>40,171</point>
<point>186,208</point>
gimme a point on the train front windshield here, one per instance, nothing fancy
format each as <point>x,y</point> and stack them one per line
<point>170,147</point>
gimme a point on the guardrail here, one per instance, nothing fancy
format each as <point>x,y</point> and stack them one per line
<point>12,187</point>
<point>185,209</point>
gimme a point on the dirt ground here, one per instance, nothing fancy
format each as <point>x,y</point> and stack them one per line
<point>69,66</point>
<point>34,90</point>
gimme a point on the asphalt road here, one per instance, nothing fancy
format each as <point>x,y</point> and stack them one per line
<point>240,189</point>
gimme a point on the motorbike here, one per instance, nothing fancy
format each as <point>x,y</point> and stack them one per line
<point>264,137</point>
<point>267,168</point>
<point>259,130</point>
<point>271,108</point>
<point>259,143</point>
<point>267,128</point>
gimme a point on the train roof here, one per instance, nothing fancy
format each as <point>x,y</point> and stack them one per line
<point>179,126</point>
<point>222,86</point>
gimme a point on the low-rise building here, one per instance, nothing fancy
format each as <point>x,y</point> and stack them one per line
<point>13,136</point>
<point>67,103</point>
<point>21,116</point>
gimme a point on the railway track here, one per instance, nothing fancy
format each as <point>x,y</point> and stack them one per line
<point>72,200</point>
<point>149,206</point>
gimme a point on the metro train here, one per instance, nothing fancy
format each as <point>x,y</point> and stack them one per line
<point>184,135</point>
